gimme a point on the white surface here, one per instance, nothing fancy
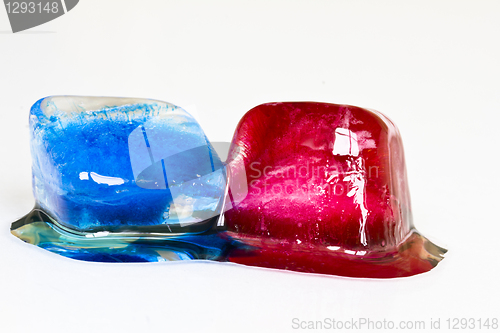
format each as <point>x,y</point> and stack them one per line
<point>431,66</point>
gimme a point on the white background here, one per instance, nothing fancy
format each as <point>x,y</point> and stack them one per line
<point>432,66</point>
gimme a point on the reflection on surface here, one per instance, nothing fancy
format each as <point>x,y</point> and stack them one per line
<point>345,142</point>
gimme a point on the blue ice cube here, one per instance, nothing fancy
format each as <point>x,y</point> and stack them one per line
<point>121,164</point>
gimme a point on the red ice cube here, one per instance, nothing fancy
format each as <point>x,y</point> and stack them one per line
<point>322,188</point>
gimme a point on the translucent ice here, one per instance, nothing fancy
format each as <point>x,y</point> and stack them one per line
<point>327,193</point>
<point>117,164</point>
<point>310,187</point>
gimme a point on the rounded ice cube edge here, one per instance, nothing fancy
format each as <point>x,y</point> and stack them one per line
<point>324,191</point>
<point>122,180</point>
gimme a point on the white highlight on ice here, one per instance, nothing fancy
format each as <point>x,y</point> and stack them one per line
<point>346,142</point>
<point>99,179</point>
